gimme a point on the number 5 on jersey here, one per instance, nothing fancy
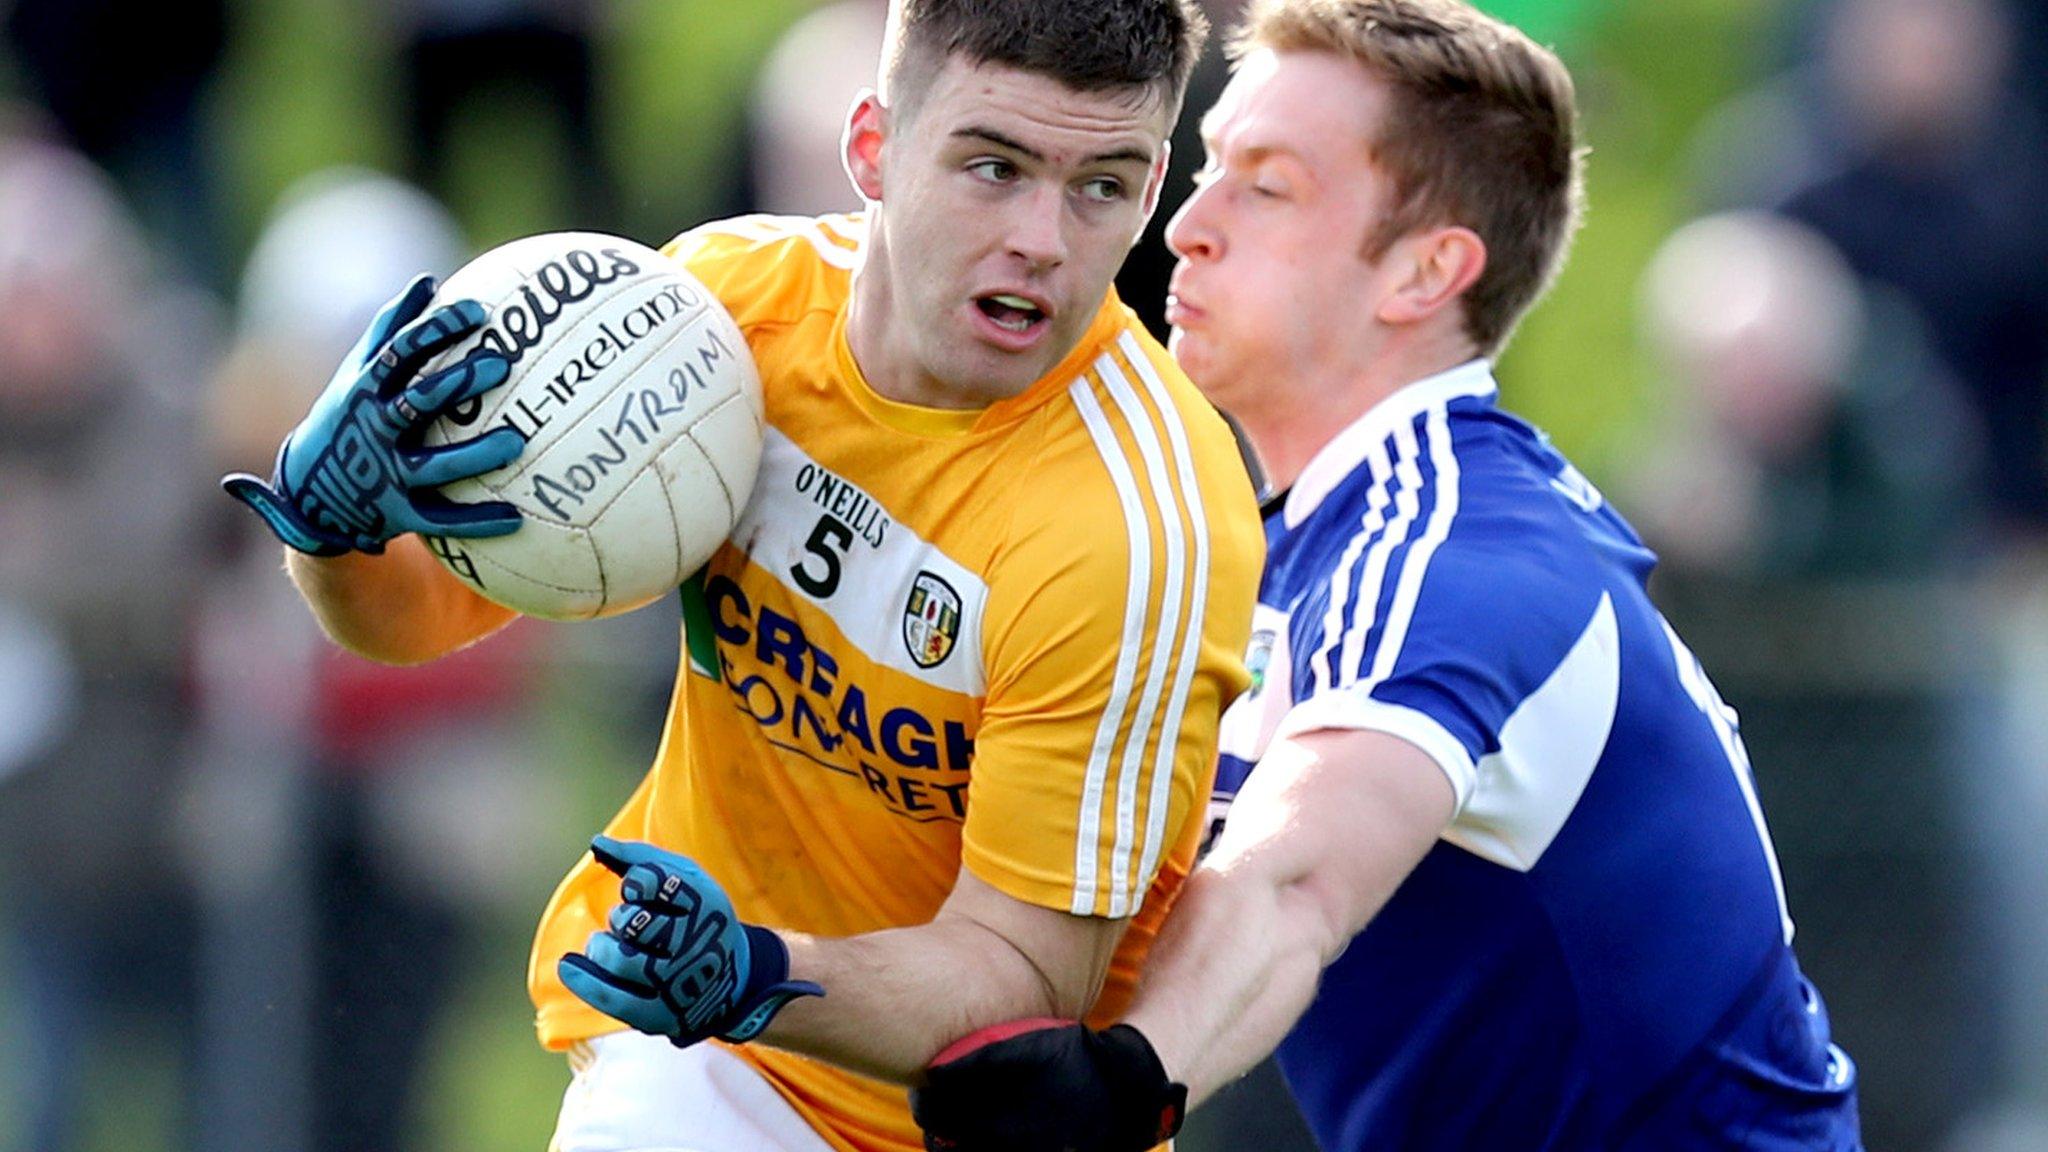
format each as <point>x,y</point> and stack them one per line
<point>819,572</point>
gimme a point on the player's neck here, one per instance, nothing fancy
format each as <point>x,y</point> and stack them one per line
<point>1318,403</point>
<point>868,337</point>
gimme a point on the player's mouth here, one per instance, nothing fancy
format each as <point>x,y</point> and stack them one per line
<point>1013,321</point>
<point>1182,309</point>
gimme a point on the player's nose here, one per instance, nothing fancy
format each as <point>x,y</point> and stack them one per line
<point>1037,229</point>
<point>1192,234</point>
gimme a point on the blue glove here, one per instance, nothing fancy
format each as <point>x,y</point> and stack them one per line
<point>355,472</point>
<point>676,961</point>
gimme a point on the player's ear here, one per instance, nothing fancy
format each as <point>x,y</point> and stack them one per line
<point>867,124</point>
<point>1434,269</point>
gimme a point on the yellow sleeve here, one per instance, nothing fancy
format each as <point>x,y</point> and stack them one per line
<point>1115,636</point>
<point>766,268</point>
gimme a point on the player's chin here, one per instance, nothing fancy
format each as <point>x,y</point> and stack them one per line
<point>996,372</point>
<point>1194,354</point>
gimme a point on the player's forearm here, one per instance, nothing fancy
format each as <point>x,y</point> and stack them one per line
<point>893,999</point>
<point>1237,964</point>
<point>1321,835</point>
<point>398,608</point>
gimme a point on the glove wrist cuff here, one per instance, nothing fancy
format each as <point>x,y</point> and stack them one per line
<point>769,988</point>
<point>1149,1079</point>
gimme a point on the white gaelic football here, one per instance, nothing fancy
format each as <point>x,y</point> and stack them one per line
<point>641,410</point>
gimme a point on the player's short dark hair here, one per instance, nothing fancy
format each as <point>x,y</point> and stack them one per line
<point>1146,47</point>
<point>1481,132</point>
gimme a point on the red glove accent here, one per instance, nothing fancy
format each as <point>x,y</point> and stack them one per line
<point>995,1033</point>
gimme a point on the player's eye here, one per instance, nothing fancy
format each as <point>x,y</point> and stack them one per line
<point>993,169</point>
<point>1102,190</point>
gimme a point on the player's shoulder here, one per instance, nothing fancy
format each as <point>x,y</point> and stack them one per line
<point>1127,397</point>
<point>833,240</point>
<point>1465,514</point>
<point>1533,548</point>
<point>764,267</point>
<point>1525,512</point>
<point>1130,428</point>
<point>1126,475</point>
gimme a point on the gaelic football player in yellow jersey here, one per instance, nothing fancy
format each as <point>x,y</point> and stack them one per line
<point>941,742</point>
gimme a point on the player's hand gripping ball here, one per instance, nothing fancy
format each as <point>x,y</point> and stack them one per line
<point>357,470</point>
<point>676,961</point>
<point>572,423</point>
<point>640,408</point>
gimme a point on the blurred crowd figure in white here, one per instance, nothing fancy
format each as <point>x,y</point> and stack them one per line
<point>1807,431</point>
<point>1908,143</point>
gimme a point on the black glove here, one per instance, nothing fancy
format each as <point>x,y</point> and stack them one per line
<point>1048,1086</point>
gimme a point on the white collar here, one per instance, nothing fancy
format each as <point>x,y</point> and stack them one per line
<point>1343,453</point>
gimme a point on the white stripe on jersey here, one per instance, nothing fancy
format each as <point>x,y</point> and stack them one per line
<point>1341,578</point>
<point>1198,599</point>
<point>1727,729</point>
<point>1136,589</point>
<point>1175,567</point>
<point>1377,535</point>
<point>763,227</point>
<point>1549,747</point>
<point>1409,590</point>
<point>1408,506</point>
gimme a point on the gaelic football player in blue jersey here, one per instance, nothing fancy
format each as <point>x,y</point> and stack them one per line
<point>1493,875</point>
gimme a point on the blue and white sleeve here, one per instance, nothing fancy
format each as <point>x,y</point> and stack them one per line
<point>1452,645</point>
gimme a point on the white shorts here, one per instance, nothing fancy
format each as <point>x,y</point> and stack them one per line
<point>638,1093</point>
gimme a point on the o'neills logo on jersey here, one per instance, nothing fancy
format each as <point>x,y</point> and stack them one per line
<point>931,621</point>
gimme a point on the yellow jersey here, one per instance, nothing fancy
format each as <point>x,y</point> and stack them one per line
<point>1000,637</point>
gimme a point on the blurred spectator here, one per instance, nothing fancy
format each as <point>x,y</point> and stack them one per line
<point>1817,494</point>
<point>351,821</point>
<point>1811,432</point>
<point>98,499</point>
<point>1943,170</point>
<point>1937,192</point>
<point>483,65</point>
<point>800,102</point>
<point>125,81</point>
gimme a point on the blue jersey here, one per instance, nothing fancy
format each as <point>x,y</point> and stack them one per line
<point>1596,955</point>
